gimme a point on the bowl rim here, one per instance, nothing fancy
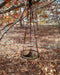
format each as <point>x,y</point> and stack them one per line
<point>28,57</point>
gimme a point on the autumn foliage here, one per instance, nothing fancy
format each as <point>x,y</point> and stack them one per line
<point>7,4</point>
<point>7,0</point>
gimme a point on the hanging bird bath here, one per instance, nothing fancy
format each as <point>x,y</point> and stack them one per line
<point>29,54</point>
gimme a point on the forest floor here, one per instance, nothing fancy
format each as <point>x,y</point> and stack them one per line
<point>11,62</point>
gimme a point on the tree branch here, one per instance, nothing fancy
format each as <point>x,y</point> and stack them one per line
<point>39,8</point>
<point>4,32</point>
<point>45,5</point>
<point>6,26</point>
<point>16,6</point>
<point>4,3</point>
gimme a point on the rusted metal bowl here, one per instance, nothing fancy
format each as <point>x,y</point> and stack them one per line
<point>29,54</point>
